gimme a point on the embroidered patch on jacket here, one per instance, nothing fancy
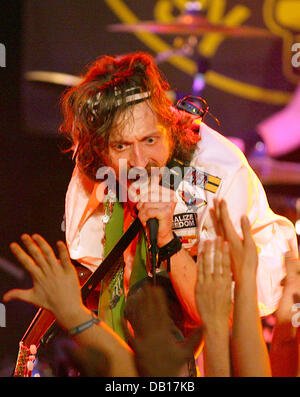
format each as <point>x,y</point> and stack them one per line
<point>202,179</point>
<point>184,221</point>
<point>191,201</point>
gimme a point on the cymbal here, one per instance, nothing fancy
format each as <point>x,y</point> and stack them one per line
<point>53,77</point>
<point>274,172</point>
<point>190,25</point>
<point>68,80</point>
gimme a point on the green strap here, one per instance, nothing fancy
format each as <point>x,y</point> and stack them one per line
<point>139,269</point>
<point>113,232</point>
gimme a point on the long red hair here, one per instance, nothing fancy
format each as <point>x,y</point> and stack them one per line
<point>90,108</point>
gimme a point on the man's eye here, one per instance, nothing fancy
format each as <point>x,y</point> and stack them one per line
<point>119,147</point>
<point>151,140</point>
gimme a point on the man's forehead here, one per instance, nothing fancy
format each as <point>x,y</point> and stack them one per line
<point>125,136</point>
<point>138,119</point>
<point>137,112</point>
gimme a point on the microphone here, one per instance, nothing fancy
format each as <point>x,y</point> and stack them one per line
<point>153,230</point>
<point>170,181</point>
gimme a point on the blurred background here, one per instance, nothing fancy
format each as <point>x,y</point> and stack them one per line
<point>239,55</point>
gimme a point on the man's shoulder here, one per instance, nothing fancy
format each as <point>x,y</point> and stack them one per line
<point>214,148</point>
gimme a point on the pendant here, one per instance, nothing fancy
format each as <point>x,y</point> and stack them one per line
<point>105,218</point>
<point>117,291</point>
<point>114,301</point>
<point>112,196</point>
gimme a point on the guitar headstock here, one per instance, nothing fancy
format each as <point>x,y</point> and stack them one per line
<point>25,360</point>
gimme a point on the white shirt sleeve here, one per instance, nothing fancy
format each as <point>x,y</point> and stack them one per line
<point>274,235</point>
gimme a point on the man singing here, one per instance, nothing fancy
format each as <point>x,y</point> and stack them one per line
<point>120,117</point>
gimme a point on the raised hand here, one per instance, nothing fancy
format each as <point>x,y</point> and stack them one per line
<point>214,284</point>
<point>284,353</point>
<point>157,352</point>
<point>55,282</point>
<point>213,297</point>
<point>249,352</point>
<point>291,290</point>
<point>56,288</point>
<point>243,250</point>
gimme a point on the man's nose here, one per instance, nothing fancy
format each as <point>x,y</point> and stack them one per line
<point>138,157</point>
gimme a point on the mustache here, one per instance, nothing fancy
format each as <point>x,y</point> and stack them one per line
<point>140,170</point>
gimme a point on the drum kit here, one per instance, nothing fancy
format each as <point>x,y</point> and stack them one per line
<point>192,24</point>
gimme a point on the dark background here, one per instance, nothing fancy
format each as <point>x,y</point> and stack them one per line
<point>64,36</point>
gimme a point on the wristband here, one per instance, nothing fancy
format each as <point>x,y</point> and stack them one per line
<point>82,327</point>
<point>168,250</point>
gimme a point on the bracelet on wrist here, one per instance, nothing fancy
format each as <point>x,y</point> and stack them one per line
<point>84,326</point>
<point>168,250</point>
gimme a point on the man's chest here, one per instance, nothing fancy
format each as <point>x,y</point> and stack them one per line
<point>195,194</point>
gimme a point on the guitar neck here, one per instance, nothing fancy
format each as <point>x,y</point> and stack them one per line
<point>41,322</point>
<point>31,340</point>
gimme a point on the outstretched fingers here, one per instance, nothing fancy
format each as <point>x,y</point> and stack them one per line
<point>200,272</point>
<point>46,250</point>
<point>246,229</point>
<point>40,255</point>
<point>226,260</point>
<point>216,222</point>
<point>230,233</point>
<point>249,245</point>
<point>218,257</point>
<point>25,295</point>
<point>64,255</point>
<point>26,261</point>
<point>207,263</point>
<point>34,251</point>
